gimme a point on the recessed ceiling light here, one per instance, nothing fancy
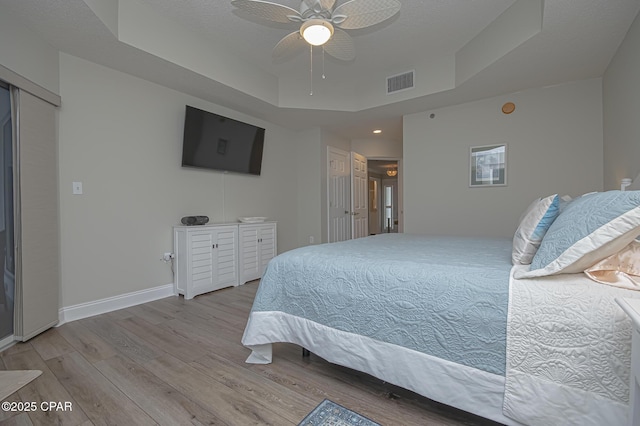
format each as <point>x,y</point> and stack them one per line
<point>377,131</point>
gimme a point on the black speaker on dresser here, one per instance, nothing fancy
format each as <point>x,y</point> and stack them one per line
<point>194,220</point>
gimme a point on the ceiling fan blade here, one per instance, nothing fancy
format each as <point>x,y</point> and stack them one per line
<point>267,10</point>
<point>320,5</point>
<point>288,47</point>
<point>364,13</point>
<point>341,46</point>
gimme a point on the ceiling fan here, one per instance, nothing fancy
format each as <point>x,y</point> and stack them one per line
<point>322,23</point>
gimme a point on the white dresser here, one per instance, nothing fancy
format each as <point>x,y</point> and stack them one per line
<point>214,256</point>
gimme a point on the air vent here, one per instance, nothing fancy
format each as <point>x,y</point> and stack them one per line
<point>399,82</point>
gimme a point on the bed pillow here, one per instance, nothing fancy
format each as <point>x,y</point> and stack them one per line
<point>534,223</point>
<point>564,202</point>
<point>590,228</point>
<point>619,270</point>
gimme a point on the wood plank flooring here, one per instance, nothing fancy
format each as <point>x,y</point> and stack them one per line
<point>177,362</point>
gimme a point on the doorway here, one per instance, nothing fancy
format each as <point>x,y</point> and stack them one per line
<point>372,192</point>
<point>383,196</point>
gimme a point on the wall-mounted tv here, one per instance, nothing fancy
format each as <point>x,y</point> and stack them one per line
<point>212,141</point>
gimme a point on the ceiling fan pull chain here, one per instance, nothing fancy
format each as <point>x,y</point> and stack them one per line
<point>323,76</point>
<point>311,68</point>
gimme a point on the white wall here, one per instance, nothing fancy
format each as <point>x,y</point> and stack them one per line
<point>25,53</point>
<point>554,140</point>
<point>122,137</point>
<point>377,148</point>
<point>310,201</point>
<point>621,99</point>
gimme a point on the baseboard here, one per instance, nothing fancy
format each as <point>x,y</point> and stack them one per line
<point>7,342</point>
<point>34,333</point>
<point>102,306</point>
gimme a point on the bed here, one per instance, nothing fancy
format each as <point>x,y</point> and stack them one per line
<point>510,329</point>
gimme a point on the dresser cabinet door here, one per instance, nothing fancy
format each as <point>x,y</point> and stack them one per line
<point>249,253</point>
<point>225,258</point>
<point>258,245</point>
<point>201,270</point>
<point>206,259</point>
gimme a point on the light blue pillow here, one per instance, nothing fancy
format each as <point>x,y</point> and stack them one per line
<point>534,224</point>
<point>590,228</point>
<point>564,202</point>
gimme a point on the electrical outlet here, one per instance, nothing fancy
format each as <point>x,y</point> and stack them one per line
<point>311,239</point>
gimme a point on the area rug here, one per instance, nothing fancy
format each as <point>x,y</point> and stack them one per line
<point>328,413</point>
<point>11,381</point>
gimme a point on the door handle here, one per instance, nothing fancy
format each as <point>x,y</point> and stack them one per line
<point>346,212</point>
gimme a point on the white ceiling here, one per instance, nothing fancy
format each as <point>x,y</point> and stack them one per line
<point>577,40</point>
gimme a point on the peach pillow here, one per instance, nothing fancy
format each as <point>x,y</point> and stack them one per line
<point>620,270</point>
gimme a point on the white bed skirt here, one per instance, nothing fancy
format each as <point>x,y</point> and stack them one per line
<point>459,386</point>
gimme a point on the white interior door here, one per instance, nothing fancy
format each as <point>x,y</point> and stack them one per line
<point>339,194</point>
<point>360,196</point>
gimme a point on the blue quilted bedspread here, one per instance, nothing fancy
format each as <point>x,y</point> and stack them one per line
<point>445,297</point>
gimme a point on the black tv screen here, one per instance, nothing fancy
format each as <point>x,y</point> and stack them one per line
<point>212,141</point>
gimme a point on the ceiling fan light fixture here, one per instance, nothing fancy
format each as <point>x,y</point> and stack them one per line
<point>316,32</point>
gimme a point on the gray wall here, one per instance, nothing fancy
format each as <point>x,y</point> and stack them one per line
<point>554,141</point>
<point>378,148</point>
<point>122,137</point>
<point>621,95</point>
<point>310,199</point>
<point>26,53</point>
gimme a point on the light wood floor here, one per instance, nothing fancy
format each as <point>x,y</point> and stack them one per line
<point>180,362</point>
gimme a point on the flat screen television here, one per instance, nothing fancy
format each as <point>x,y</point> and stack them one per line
<point>212,141</point>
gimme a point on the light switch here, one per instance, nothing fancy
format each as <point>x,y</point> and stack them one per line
<point>77,188</point>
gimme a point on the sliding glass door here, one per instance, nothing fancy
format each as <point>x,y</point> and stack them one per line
<point>7,260</point>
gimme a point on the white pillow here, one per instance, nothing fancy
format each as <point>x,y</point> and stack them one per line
<point>619,270</point>
<point>591,228</point>
<point>534,224</point>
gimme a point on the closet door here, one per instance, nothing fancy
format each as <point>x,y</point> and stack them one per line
<point>37,222</point>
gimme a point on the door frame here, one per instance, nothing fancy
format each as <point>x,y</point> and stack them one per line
<point>400,188</point>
